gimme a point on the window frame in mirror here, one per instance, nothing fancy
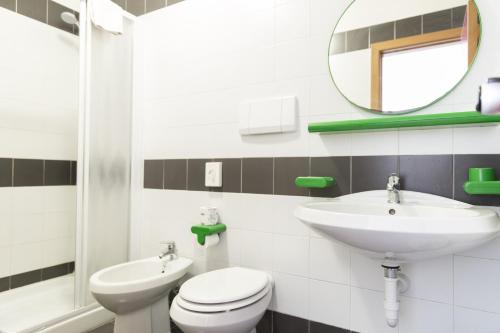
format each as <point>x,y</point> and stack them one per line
<point>378,50</point>
<point>474,32</point>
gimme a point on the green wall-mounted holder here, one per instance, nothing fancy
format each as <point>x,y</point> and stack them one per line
<point>202,231</point>
<point>392,122</point>
<point>315,182</point>
<point>482,181</point>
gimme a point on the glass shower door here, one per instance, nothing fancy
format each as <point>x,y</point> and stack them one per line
<point>38,153</point>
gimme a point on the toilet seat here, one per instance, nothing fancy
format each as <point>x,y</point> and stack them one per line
<point>223,307</point>
<point>231,300</point>
<point>224,290</point>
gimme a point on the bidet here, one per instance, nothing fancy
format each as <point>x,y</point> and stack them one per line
<point>137,292</point>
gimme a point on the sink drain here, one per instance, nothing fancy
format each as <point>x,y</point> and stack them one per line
<point>392,211</point>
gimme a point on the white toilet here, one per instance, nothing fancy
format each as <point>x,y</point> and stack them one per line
<point>230,300</point>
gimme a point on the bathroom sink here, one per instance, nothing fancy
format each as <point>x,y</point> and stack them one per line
<point>421,226</point>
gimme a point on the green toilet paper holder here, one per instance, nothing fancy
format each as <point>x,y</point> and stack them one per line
<point>202,231</point>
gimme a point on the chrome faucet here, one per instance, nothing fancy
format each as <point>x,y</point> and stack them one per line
<point>393,189</point>
<point>168,254</point>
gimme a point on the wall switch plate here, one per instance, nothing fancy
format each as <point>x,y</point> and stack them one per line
<point>213,174</point>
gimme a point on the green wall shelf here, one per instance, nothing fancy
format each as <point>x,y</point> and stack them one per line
<point>482,181</point>
<point>388,122</point>
<point>315,182</point>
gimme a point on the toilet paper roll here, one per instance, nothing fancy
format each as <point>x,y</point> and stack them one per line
<point>211,240</point>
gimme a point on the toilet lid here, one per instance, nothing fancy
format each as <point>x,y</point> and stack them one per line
<point>224,286</point>
<point>223,307</point>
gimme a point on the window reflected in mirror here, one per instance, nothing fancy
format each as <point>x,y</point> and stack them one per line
<point>397,56</point>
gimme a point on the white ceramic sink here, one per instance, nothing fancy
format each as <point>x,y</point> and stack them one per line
<point>421,226</point>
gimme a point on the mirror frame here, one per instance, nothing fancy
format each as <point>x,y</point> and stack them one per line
<point>478,33</point>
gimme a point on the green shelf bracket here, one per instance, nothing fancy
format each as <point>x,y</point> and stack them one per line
<point>393,122</point>
<point>482,181</point>
<point>202,231</point>
<point>315,182</point>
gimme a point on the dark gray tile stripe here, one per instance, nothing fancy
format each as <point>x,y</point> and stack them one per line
<point>48,12</point>
<point>271,322</point>
<point>141,7</point>
<point>31,172</point>
<point>362,38</point>
<point>38,275</point>
<point>442,175</point>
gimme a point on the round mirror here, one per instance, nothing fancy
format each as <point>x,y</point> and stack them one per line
<point>398,56</point>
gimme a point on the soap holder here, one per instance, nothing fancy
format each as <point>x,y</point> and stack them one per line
<point>315,182</point>
<point>482,181</point>
<point>202,231</point>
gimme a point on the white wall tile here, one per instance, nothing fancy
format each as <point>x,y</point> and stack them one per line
<point>5,229</point>
<point>325,14</point>
<point>325,98</point>
<point>418,316</point>
<point>42,220</point>
<point>290,254</point>
<point>367,312</point>
<point>290,295</point>
<point>292,20</point>
<point>319,50</point>
<point>58,251</point>
<point>59,225</point>
<point>490,250</point>
<point>27,228</point>
<point>26,257</point>
<point>476,283</point>
<point>468,320</point>
<point>292,59</point>
<point>283,220</point>
<point>28,200</point>
<point>476,140</point>
<point>256,250</point>
<point>366,273</point>
<point>375,143</point>
<point>329,303</point>
<point>330,144</point>
<point>426,142</point>
<point>6,198</point>
<point>329,261</point>
<point>258,211</point>
<point>431,279</point>
<point>5,261</point>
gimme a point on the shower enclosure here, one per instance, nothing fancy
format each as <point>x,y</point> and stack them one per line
<point>65,161</point>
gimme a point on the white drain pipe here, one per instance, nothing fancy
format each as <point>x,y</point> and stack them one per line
<point>395,283</point>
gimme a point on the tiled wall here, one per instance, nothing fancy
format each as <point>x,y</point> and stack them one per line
<point>45,11</point>
<point>38,117</point>
<point>140,7</point>
<point>37,275</point>
<point>442,175</point>
<point>198,61</point>
<point>362,38</point>
<point>37,210</point>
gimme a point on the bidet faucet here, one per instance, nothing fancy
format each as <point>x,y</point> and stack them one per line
<point>168,254</point>
<point>393,189</point>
